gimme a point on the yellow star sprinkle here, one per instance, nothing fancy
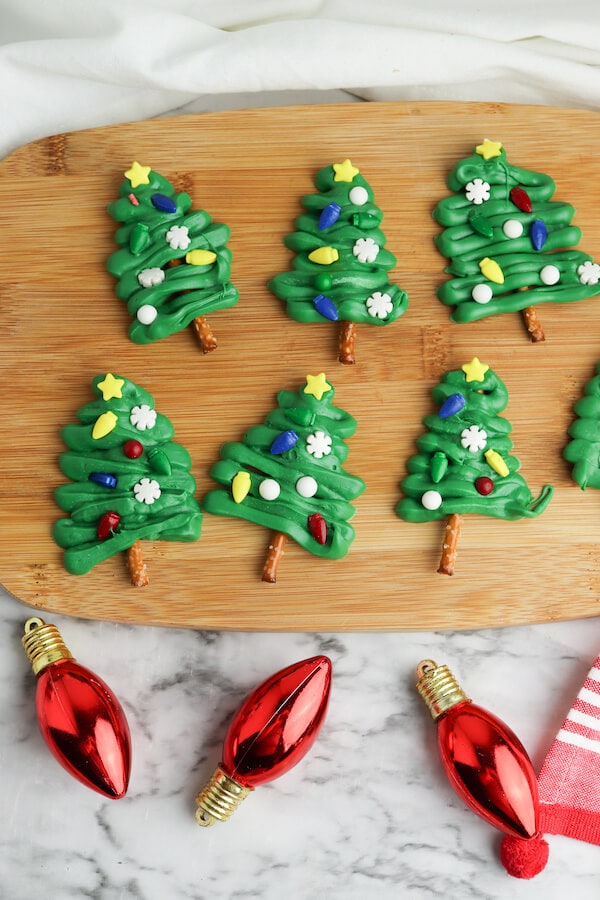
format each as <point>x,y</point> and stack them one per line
<point>111,387</point>
<point>104,424</point>
<point>317,385</point>
<point>489,149</point>
<point>138,174</point>
<point>344,171</point>
<point>475,370</point>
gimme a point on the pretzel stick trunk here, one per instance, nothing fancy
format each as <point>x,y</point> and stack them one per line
<point>274,554</point>
<point>137,566</point>
<point>347,343</point>
<point>450,544</point>
<point>203,331</point>
<point>532,323</point>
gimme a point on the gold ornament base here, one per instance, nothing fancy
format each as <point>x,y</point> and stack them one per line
<point>219,799</point>
<point>43,644</point>
<point>438,687</point>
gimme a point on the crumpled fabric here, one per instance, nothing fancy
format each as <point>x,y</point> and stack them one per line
<point>72,64</point>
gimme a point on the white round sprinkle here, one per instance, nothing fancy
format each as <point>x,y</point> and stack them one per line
<point>269,489</point>
<point>512,228</point>
<point>482,293</point>
<point>550,275</point>
<point>431,500</point>
<point>307,486</point>
<point>146,314</point>
<point>358,195</point>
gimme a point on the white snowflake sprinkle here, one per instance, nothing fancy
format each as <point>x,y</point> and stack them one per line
<point>143,417</point>
<point>379,305</point>
<point>365,250</point>
<point>318,444</point>
<point>473,438</point>
<point>589,272</point>
<point>477,191</point>
<point>151,277</point>
<point>178,237</point>
<point>147,490</point>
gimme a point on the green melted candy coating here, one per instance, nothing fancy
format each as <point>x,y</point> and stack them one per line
<point>349,282</point>
<point>464,244</point>
<point>174,516</point>
<point>187,291</point>
<point>583,451</point>
<point>510,497</point>
<point>306,416</point>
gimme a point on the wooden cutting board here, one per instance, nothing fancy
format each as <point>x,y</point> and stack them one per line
<point>61,325</point>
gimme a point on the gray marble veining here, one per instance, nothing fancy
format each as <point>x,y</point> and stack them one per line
<point>367,814</point>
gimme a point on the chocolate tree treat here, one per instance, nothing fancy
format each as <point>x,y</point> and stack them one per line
<point>173,265</point>
<point>508,242</point>
<point>464,463</point>
<point>287,475</point>
<point>129,480</point>
<point>583,451</point>
<point>340,271</point>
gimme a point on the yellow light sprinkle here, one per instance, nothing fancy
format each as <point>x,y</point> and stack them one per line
<point>324,256</point>
<point>475,370</point>
<point>200,257</point>
<point>111,387</point>
<point>138,174</point>
<point>489,149</point>
<point>491,270</point>
<point>344,171</point>
<point>496,462</point>
<point>104,424</point>
<point>317,385</point>
<point>240,486</point>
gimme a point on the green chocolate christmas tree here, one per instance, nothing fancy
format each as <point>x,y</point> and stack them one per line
<point>173,267</point>
<point>130,481</point>
<point>464,463</point>
<point>341,264</point>
<point>584,450</point>
<point>287,475</point>
<point>507,242</point>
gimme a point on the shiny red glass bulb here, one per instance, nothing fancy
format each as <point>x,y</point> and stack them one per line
<point>278,723</point>
<point>80,719</point>
<point>489,768</point>
<point>84,726</point>
<point>272,730</point>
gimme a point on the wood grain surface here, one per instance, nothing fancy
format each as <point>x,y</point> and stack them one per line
<point>61,325</point>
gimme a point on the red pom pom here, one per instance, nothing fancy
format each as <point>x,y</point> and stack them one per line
<point>524,858</point>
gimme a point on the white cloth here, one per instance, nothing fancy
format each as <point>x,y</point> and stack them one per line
<point>71,64</point>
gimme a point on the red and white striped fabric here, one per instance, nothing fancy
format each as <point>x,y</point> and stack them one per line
<point>569,780</point>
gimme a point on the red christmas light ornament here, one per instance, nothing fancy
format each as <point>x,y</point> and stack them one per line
<point>80,718</point>
<point>107,525</point>
<point>272,730</point>
<point>317,526</point>
<point>486,764</point>
<point>521,199</point>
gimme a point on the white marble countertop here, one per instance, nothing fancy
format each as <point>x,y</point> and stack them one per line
<point>367,813</point>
